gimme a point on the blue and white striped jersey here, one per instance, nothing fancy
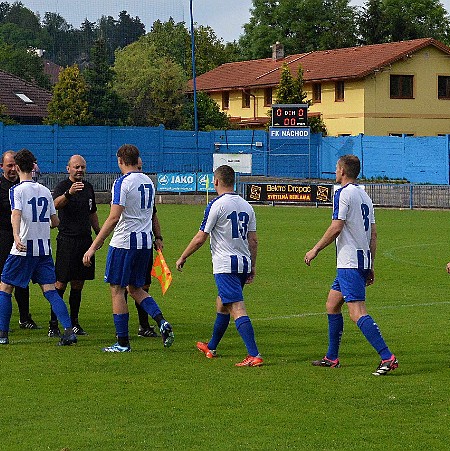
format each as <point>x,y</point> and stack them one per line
<point>228,219</point>
<point>135,192</point>
<point>36,205</point>
<point>353,205</point>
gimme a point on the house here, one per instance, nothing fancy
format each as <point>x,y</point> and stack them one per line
<point>24,102</point>
<point>383,89</point>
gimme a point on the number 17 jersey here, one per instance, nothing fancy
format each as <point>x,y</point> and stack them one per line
<point>228,219</point>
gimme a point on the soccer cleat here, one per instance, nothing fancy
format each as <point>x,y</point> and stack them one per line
<point>203,347</point>
<point>4,340</point>
<point>67,340</point>
<point>28,324</point>
<point>78,330</point>
<point>251,361</point>
<point>147,332</point>
<point>386,365</point>
<point>326,362</point>
<point>117,348</point>
<point>166,334</point>
<point>54,332</point>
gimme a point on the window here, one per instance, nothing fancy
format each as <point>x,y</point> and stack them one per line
<point>245,99</point>
<point>23,97</point>
<point>268,97</point>
<point>339,91</point>
<point>317,92</point>
<point>225,100</point>
<point>443,87</point>
<point>402,86</point>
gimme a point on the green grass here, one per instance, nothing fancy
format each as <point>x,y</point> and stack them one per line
<point>79,398</point>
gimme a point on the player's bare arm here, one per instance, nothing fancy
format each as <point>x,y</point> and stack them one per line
<point>253,247</point>
<point>16,216</point>
<point>105,231</point>
<point>328,237</point>
<point>373,249</point>
<point>195,244</point>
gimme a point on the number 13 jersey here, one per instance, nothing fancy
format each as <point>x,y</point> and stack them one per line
<point>228,219</point>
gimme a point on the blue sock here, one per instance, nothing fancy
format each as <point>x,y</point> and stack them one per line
<point>373,335</point>
<point>121,324</point>
<point>59,307</point>
<point>335,330</point>
<point>220,327</point>
<point>245,329</point>
<point>151,307</point>
<point>5,311</point>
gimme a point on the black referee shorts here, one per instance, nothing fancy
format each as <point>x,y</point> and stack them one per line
<point>69,259</point>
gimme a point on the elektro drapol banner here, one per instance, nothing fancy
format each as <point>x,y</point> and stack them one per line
<point>288,192</point>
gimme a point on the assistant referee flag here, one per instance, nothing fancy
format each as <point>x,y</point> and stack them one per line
<point>161,271</point>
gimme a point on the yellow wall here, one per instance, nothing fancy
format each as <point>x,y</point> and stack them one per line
<point>367,107</point>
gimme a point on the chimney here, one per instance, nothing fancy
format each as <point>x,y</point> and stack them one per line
<point>277,51</point>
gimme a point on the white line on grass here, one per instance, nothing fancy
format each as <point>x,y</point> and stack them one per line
<point>386,307</point>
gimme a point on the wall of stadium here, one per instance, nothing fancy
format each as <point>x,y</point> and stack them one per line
<point>416,159</point>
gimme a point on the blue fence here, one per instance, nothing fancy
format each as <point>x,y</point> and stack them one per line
<point>419,160</point>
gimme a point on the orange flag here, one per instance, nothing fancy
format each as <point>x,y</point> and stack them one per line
<point>161,271</point>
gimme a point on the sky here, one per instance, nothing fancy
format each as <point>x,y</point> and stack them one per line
<point>225,17</point>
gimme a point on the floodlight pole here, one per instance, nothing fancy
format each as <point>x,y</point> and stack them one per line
<point>194,81</point>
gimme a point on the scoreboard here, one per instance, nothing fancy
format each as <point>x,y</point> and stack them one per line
<point>295,115</point>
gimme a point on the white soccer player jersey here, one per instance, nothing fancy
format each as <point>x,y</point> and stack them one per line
<point>36,205</point>
<point>228,219</point>
<point>135,192</point>
<point>354,206</point>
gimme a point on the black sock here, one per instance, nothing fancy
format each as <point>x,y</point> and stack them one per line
<point>143,317</point>
<point>74,303</point>
<point>22,296</point>
<point>123,341</point>
<point>159,319</point>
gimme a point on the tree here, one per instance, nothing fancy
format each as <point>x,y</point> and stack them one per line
<point>69,105</point>
<point>208,114</point>
<point>373,23</point>
<point>290,91</point>
<point>4,118</point>
<point>24,64</point>
<point>153,85</point>
<point>60,47</point>
<point>105,105</point>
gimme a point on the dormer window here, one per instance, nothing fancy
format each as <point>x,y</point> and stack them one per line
<point>23,97</point>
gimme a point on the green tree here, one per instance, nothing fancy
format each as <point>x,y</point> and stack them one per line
<point>69,105</point>
<point>4,118</point>
<point>208,114</point>
<point>153,85</point>
<point>105,105</point>
<point>290,91</point>
<point>24,64</point>
<point>373,23</point>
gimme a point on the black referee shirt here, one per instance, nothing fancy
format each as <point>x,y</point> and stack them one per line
<point>75,216</point>
<point>5,205</point>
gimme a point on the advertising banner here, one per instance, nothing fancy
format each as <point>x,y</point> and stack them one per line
<point>177,182</point>
<point>289,192</point>
<point>205,182</point>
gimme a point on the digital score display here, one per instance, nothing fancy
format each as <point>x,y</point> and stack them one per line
<point>290,115</point>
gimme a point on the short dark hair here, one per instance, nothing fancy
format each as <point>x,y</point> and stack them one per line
<point>351,165</point>
<point>225,174</point>
<point>25,160</point>
<point>129,154</point>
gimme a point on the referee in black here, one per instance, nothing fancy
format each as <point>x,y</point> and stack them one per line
<point>75,201</point>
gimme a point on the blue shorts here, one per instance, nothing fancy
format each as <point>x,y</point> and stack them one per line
<point>127,266</point>
<point>19,270</point>
<point>230,287</point>
<point>351,283</point>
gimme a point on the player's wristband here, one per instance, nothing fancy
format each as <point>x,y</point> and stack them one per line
<point>67,195</point>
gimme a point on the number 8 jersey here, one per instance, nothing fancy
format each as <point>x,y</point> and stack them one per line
<point>228,219</point>
<point>36,205</point>
<point>353,205</point>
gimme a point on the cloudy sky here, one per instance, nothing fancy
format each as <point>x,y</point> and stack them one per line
<point>225,17</point>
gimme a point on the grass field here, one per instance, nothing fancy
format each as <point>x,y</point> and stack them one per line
<point>78,398</point>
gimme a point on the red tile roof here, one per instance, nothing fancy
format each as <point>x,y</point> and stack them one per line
<point>10,86</point>
<point>347,63</point>
<point>52,70</point>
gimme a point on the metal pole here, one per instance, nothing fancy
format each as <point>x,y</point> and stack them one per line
<point>194,83</point>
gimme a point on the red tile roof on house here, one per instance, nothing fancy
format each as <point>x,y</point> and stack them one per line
<point>337,64</point>
<point>52,70</point>
<point>17,107</point>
